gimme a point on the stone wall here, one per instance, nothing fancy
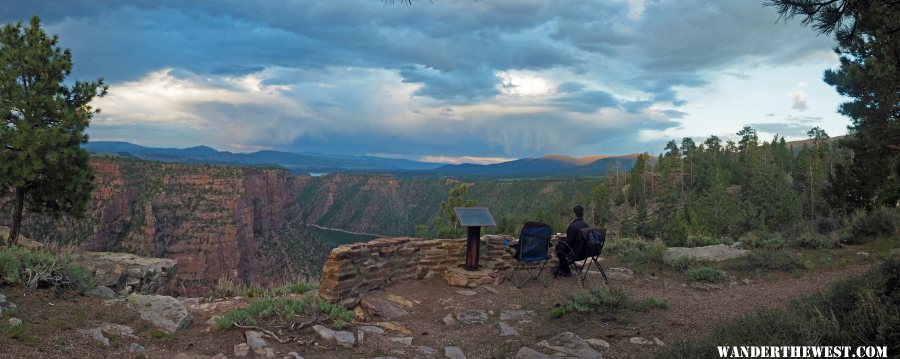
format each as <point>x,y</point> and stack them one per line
<point>352,270</point>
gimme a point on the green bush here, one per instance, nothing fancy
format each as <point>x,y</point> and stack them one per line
<point>339,315</point>
<point>858,311</point>
<point>768,259</point>
<point>813,241</point>
<point>865,227</point>
<point>604,300</point>
<point>635,251</point>
<point>682,263</point>
<point>705,274</point>
<point>263,309</point>
<point>43,269</point>
<point>762,239</point>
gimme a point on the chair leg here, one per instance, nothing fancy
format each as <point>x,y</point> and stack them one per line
<point>603,272</point>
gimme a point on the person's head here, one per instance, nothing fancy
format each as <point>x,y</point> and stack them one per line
<point>578,211</point>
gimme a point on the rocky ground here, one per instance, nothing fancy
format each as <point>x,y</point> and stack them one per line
<point>413,319</point>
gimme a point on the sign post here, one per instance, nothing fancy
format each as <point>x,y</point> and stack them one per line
<point>473,218</point>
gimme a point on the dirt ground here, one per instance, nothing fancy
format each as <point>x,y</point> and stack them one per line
<point>51,320</point>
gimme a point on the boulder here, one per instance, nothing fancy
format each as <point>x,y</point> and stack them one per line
<point>506,330</point>
<point>570,344</point>
<point>517,315</point>
<point>617,273</point>
<point>427,350</point>
<point>381,308</point>
<point>137,348</point>
<point>241,350</point>
<point>94,334</point>
<point>143,274</point>
<point>370,329</point>
<point>714,253</point>
<point>102,292</point>
<point>405,341</point>
<point>342,338</point>
<point>528,353</point>
<point>14,322</point>
<point>255,339</point>
<point>162,311</point>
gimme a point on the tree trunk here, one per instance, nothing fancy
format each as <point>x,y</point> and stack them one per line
<point>17,217</point>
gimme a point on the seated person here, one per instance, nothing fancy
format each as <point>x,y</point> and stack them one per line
<point>574,240</point>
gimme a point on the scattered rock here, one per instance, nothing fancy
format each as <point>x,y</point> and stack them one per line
<point>117,329</point>
<point>406,341</point>
<point>264,352</point>
<point>427,350</point>
<point>163,311</point>
<point>102,292</point>
<point>506,330</point>
<point>241,350</point>
<point>15,321</point>
<point>658,342</point>
<point>619,273</point>
<point>641,341</point>
<point>747,281</point>
<point>715,253</point>
<point>219,356</point>
<point>360,336</point>
<point>400,300</point>
<point>381,308</point>
<point>137,348</point>
<point>490,289</point>
<point>528,353</point>
<point>454,353</point>
<point>293,355</point>
<point>570,344</point>
<point>472,317</point>
<point>2,300</point>
<point>394,327</point>
<point>467,292</point>
<point>369,329</point>
<point>360,314</point>
<point>863,255</point>
<point>597,343</point>
<point>255,339</point>
<point>521,316</point>
<point>342,338</point>
<point>448,320</point>
<point>95,334</point>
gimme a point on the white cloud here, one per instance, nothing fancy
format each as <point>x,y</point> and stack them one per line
<point>799,98</point>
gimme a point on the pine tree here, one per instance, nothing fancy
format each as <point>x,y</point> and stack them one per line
<point>41,159</point>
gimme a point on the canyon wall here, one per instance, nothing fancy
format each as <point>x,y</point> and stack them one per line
<point>216,221</point>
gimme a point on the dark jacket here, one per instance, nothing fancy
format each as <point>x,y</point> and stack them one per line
<point>573,237</point>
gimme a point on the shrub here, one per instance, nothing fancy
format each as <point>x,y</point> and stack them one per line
<point>635,251</point>
<point>604,300</point>
<point>813,241</point>
<point>867,226</point>
<point>262,309</point>
<point>762,239</point>
<point>298,288</point>
<point>858,311</point>
<point>705,274</point>
<point>768,259</point>
<point>682,263</point>
<point>43,269</point>
<point>339,315</point>
<point>703,240</point>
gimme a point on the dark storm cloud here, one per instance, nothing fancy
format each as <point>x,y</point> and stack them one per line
<point>451,50</point>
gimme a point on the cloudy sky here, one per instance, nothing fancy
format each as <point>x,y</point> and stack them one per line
<point>442,80</point>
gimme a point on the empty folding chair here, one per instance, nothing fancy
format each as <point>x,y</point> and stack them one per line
<point>531,253</point>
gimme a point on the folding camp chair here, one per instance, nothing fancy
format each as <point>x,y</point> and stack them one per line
<point>589,253</point>
<point>531,253</point>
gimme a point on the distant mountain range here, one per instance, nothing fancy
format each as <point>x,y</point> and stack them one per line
<point>314,163</point>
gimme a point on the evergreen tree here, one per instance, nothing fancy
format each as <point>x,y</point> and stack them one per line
<point>41,159</point>
<point>446,224</point>
<point>867,33</point>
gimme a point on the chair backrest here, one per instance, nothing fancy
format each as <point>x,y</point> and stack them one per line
<point>534,242</point>
<point>594,239</point>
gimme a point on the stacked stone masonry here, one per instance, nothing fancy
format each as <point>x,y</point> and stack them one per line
<point>352,270</point>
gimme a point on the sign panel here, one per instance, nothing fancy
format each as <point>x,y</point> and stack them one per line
<point>474,216</point>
